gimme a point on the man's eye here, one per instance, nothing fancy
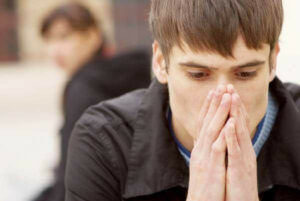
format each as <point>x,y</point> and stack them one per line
<point>198,75</point>
<point>245,75</point>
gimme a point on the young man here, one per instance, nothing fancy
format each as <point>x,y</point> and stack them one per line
<point>76,44</point>
<point>216,124</point>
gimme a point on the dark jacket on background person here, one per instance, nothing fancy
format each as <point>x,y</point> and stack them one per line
<point>98,80</point>
<point>122,150</point>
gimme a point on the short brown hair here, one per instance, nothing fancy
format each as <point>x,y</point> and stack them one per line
<point>214,25</point>
<point>78,16</point>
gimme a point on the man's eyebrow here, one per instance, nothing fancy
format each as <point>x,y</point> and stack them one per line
<point>195,65</point>
<point>250,64</point>
<point>244,65</point>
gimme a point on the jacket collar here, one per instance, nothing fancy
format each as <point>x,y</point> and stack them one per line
<point>153,166</point>
<point>279,162</point>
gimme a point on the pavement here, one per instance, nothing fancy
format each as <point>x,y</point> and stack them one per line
<point>30,117</point>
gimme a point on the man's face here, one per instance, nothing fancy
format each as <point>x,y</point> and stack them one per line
<point>191,75</point>
<point>66,47</point>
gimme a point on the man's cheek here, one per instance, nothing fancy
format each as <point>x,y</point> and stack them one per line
<point>256,109</point>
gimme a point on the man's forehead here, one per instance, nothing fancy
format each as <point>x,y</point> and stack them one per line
<point>241,54</point>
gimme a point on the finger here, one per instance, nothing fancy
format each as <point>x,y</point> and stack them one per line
<point>218,120</point>
<point>222,113</point>
<point>233,147</point>
<point>214,104</point>
<point>230,89</point>
<point>218,150</point>
<point>243,134</point>
<point>211,133</point>
<point>239,106</point>
<point>202,114</point>
<point>206,105</point>
<point>242,108</point>
<point>204,110</point>
<point>234,111</point>
<point>217,96</point>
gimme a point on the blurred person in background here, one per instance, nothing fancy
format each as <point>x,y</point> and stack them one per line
<point>76,44</point>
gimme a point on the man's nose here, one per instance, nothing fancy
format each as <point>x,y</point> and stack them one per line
<point>226,83</point>
<point>223,80</point>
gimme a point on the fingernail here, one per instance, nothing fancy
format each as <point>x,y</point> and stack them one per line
<point>230,88</point>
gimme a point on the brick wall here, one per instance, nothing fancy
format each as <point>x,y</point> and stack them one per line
<point>8,31</point>
<point>131,24</point>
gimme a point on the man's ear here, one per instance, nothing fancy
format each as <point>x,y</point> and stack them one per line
<point>273,61</point>
<point>158,64</point>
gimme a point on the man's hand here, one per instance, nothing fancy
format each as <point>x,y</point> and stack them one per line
<point>241,176</point>
<point>207,164</point>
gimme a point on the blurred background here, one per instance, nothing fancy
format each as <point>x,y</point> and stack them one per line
<point>31,86</point>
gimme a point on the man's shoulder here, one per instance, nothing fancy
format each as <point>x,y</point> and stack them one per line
<point>294,90</point>
<point>120,111</point>
<point>101,142</point>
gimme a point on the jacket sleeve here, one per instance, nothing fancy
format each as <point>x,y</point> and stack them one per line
<point>91,171</point>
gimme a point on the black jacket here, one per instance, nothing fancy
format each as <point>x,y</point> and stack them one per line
<point>98,80</point>
<point>122,150</point>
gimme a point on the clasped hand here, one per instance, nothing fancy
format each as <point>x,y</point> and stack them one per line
<point>223,161</point>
